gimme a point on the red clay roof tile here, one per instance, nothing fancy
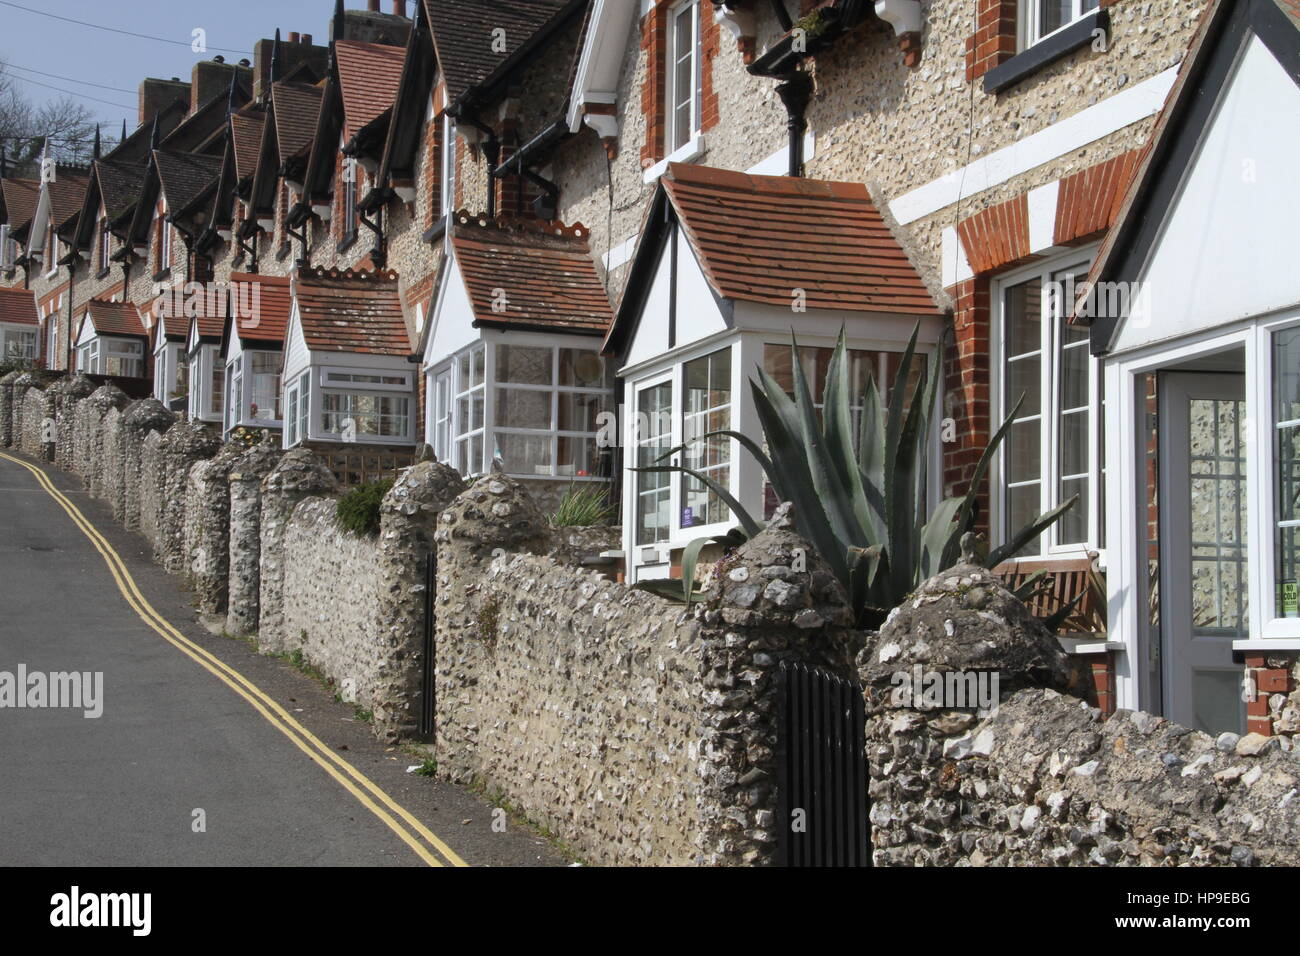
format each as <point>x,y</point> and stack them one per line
<point>261,306</point>
<point>758,238</point>
<point>115,318</point>
<point>351,311</point>
<point>18,307</point>
<point>545,271</point>
<point>369,75</point>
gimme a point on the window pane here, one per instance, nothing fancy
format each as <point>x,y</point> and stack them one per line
<point>579,457</point>
<point>1074,443</point>
<point>1024,379</point>
<point>525,454</point>
<point>1074,377</point>
<point>654,437</point>
<point>1053,14</point>
<point>1022,509</point>
<point>707,408</point>
<point>579,411</point>
<point>1286,390</point>
<point>1023,450</point>
<point>1024,318</point>
<point>581,369</point>
<point>1073,527</point>
<point>523,366</point>
<point>523,408</point>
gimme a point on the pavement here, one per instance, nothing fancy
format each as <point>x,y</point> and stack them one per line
<point>182,768</point>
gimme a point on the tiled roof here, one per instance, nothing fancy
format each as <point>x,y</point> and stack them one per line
<point>119,186</point>
<point>18,307</point>
<point>758,238</point>
<point>297,106</point>
<point>351,311</point>
<point>115,318</point>
<point>546,272</point>
<point>67,194</point>
<point>463,34</point>
<point>21,198</point>
<point>185,176</point>
<point>246,131</point>
<point>268,298</point>
<point>369,74</point>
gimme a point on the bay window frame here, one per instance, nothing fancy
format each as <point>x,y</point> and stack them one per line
<point>1050,426</point>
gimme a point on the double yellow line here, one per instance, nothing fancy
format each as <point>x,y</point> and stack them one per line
<point>414,833</point>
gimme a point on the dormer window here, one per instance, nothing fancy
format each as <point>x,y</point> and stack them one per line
<point>1039,19</point>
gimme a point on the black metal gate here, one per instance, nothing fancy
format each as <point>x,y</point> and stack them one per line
<point>821,759</point>
<point>427,698</point>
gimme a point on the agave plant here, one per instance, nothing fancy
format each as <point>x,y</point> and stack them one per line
<point>856,489</point>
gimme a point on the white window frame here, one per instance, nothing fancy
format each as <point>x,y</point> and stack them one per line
<point>105,243</point>
<point>441,404</point>
<point>1046,271</point>
<point>344,380</point>
<point>669,378</point>
<point>460,432</point>
<point>1029,20</point>
<point>447,175</point>
<point>1262,540</point>
<point>6,247</point>
<point>676,137</point>
<point>130,353</point>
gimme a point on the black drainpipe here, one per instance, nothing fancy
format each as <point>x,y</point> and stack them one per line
<point>795,91</point>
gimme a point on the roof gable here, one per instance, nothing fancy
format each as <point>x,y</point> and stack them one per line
<point>260,304</point>
<point>297,106</point>
<point>185,178</point>
<point>1208,70</point>
<point>764,239</point>
<point>114,318</point>
<point>21,198</point>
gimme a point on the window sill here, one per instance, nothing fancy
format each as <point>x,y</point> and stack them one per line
<point>692,151</point>
<point>1047,51</point>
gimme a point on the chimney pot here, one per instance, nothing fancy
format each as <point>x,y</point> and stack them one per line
<point>293,36</point>
<point>306,38</point>
<point>373,6</point>
<point>399,8</point>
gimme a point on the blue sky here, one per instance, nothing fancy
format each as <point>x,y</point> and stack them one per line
<point>108,59</point>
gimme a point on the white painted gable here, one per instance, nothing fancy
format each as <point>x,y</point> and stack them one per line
<point>453,317</point>
<point>1228,247</point>
<point>698,315</point>
<point>297,356</point>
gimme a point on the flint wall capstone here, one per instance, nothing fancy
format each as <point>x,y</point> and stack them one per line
<point>88,435</point>
<point>635,731</point>
<point>140,418</point>
<point>6,408</point>
<point>297,475</point>
<point>178,450</point>
<point>245,480</point>
<point>207,527</point>
<point>1042,778</point>
<point>69,392</point>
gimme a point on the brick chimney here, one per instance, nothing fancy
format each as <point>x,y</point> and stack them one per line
<point>399,8</point>
<point>373,6</point>
<point>155,94</point>
<point>211,78</point>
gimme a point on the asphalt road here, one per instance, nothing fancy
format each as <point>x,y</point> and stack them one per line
<point>122,789</point>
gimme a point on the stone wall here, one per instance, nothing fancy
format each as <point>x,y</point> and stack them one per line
<point>88,435</point>
<point>1042,778</point>
<point>6,409</point>
<point>69,392</point>
<point>152,478</point>
<point>37,424</point>
<point>636,732</point>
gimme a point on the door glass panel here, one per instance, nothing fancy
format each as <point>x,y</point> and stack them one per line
<point>1218,502</point>
<point>1217,704</point>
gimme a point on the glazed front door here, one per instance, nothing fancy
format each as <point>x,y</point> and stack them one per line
<point>1203,585</point>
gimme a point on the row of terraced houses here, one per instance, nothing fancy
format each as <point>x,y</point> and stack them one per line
<point>488,225</point>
